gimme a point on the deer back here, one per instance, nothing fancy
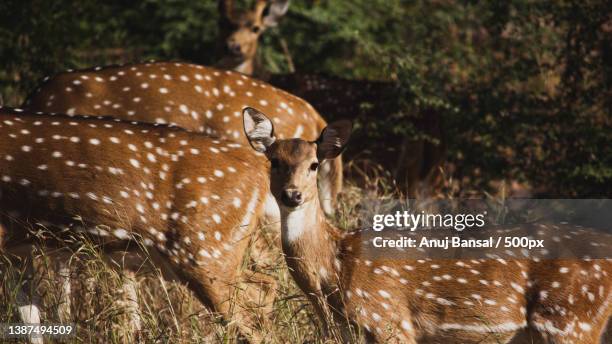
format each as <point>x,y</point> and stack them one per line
<point>191,197</point>
<point>194,97</point>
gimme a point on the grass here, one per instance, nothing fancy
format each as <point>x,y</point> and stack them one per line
<point>169,312</point>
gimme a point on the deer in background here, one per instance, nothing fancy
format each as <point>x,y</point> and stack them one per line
<point>240,31</point>
<point>408,300</point>
<point>413,163</point>
<point>191,200</point>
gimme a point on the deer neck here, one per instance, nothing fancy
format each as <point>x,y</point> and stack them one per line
<point>310,247</point>
<point>245,67</point>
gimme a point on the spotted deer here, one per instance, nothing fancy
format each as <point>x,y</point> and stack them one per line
<point>193,97</point>
<point>190,200</point>
<point>413,162</point>
<point>421,300</point>
<point>240,31</point>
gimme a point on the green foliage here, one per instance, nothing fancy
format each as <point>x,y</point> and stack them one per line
<point>524,86</point>
<point>39,38</point>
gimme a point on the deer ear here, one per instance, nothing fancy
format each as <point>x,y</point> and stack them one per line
<point>275,10</point>
<point>258,129</point>
<point>333,139</point>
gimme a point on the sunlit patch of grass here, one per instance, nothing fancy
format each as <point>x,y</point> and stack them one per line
<point>169,312</point>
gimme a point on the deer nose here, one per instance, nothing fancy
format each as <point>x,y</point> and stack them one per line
<point>291,198</point>
<point>234,47</point>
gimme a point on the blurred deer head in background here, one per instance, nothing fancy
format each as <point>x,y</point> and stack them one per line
<point>240,31</point>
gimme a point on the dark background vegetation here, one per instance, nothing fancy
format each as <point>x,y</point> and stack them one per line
<point>524,86</point>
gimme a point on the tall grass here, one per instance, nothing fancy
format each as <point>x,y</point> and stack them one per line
<point>169,312</point>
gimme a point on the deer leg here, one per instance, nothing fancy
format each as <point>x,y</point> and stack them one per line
<point>63,271</point>
<point>330,184</point>
<point>222,294</point>
<point>131,300</point>
<point>256,296</point>
<point>554,328</point>
<point>89,290</point>
<point>27,299</point>
<point>246,303</point>
<point>128,263</point>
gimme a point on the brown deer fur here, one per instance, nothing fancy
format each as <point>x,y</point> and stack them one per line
<point>194,97</point>
<point>193,199</point>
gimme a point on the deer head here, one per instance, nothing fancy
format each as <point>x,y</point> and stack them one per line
<point>294,162</point>
<point>240,31</point>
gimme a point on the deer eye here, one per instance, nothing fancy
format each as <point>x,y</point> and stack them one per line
<point>314,166</point>
<point>255,29</point>
<point>274,163</point>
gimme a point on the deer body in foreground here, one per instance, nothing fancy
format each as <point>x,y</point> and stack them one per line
<point>240,31</point>
<point>432,301</point>
<point>190,198</point>
<point>194,97</point>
